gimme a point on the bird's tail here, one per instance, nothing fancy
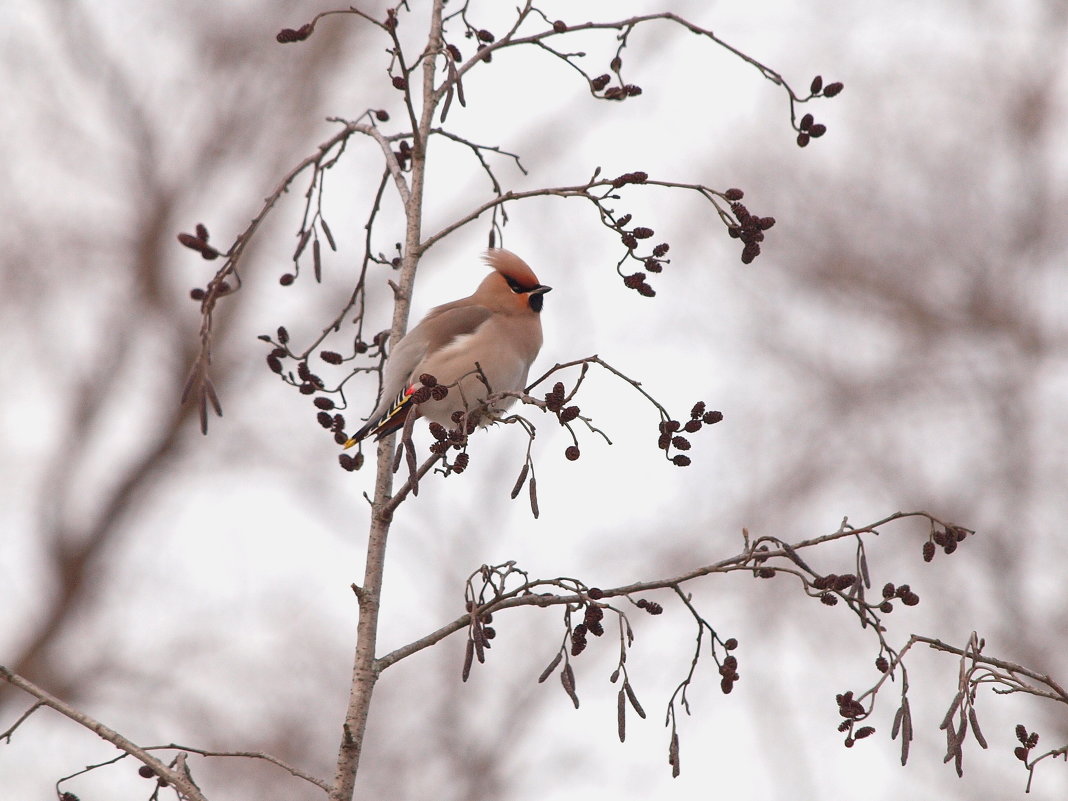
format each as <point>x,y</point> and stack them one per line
<point>391,421</point>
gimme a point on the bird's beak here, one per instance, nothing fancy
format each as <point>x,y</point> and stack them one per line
<point>541,289</point>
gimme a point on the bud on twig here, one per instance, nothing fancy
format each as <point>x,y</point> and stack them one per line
<point>289,35</point>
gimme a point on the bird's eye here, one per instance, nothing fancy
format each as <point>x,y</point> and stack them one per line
<point>514,285</point>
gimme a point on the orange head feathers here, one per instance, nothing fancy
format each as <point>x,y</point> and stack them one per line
<point>512,267</point>
<point>519,291</point>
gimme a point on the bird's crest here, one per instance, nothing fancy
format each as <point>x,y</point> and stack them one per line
<point>511,266</point>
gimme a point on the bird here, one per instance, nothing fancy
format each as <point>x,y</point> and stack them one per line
<point>496,330</point>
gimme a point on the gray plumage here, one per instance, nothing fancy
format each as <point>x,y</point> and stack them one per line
<point>498,327</point>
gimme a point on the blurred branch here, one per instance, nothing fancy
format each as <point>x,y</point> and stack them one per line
<point>128,318</point>
<point>73,558</point>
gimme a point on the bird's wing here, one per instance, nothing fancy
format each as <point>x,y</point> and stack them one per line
<point>503,358</point>
<point>445,323</point>
<point>441,326</point>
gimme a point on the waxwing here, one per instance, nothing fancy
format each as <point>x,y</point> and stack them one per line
<point>499,327</point>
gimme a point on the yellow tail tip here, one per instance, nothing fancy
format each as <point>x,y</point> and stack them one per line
<point>349,443</point>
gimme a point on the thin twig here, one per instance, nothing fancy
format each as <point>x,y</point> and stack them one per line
<point>297,772</point>
<point>22,718</point>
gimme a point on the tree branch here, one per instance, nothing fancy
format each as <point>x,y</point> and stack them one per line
<point>365,669</point>
<point>524,594</point>
<point>185,786</point>
<point>297,772</point>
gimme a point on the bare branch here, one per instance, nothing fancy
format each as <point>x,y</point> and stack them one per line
<point>293,771</point>
<point>199,385</point>
<point>180,781</point>
<point>1011,671</point>
<point>525,595</point>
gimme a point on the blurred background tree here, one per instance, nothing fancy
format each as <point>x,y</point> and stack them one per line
<point>900,345</point>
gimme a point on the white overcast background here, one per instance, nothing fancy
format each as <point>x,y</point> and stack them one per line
<point>900,344</point>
